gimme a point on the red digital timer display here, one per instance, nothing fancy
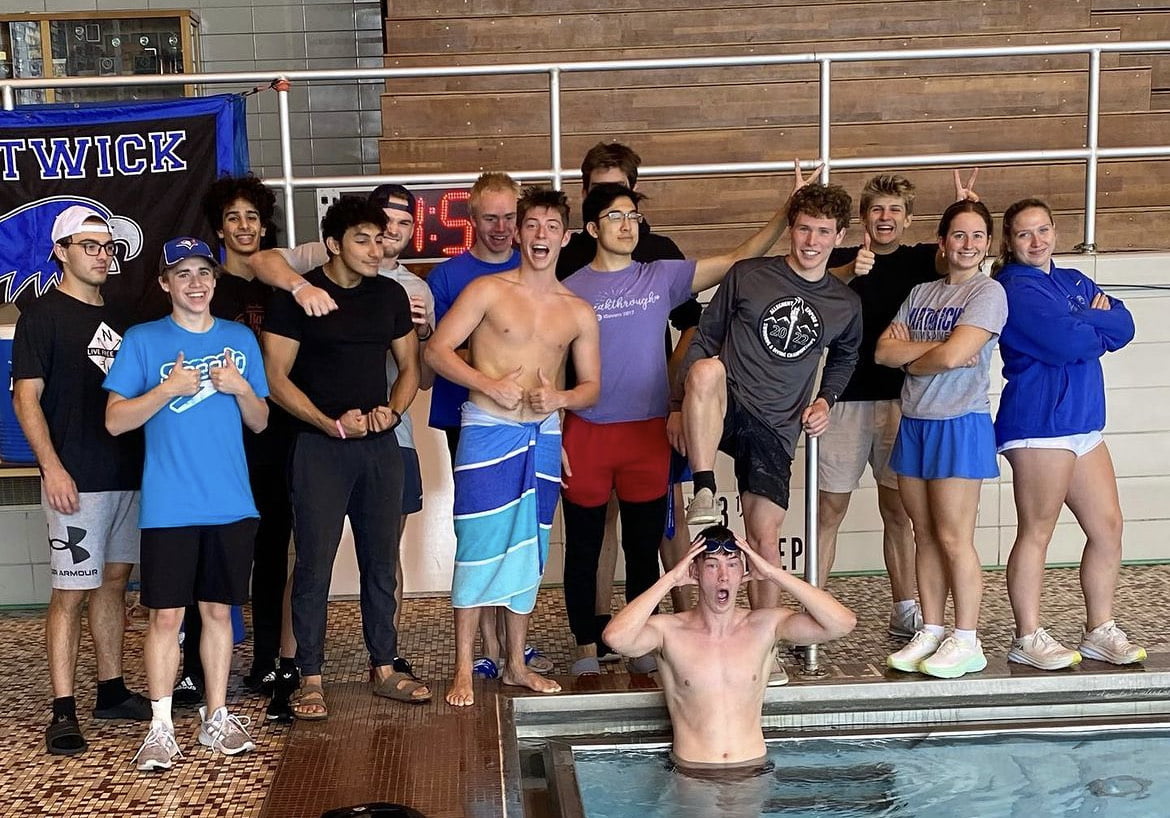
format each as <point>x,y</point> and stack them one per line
<point>442,223</point>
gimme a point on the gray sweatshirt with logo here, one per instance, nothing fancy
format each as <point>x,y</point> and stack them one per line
<point>770,328</point>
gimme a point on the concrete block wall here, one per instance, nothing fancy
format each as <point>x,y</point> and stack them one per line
<point>341,136</point>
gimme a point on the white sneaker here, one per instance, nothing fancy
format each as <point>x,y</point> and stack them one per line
<point>1040,650</point>
<point>779,676</point>
<point>702,511</point>
<point>920,647</point>
<point>158,750</point>
<point>1108,643</point>
<point>904,626</point>
<point>954,658</point>
<point>225,732</point>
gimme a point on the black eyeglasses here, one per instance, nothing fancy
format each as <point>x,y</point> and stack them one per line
<point>616,216</point>
<point>91,248</point>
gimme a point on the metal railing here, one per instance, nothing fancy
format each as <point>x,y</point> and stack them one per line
<point>1090,154</point>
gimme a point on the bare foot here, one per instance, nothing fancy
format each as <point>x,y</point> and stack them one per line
<point>461,693</point>
<point>526,678</point>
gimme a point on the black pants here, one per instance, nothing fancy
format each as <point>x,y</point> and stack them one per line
<point>642,527</point>
<point>331,479</point>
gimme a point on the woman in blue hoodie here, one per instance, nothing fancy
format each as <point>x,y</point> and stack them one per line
<point>1049,428</point>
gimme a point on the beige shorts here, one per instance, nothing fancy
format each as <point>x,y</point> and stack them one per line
<point>860,432</point>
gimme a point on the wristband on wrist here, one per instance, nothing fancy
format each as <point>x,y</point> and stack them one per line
<point>296,288</point>
<point>430,332</point>
<point>340,428</point>
<point>397,418</point>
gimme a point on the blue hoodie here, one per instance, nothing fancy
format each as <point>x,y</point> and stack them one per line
<point>1052,346</point>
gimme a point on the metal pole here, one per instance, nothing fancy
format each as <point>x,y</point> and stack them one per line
<point>826,116</point>
<point>286,168</point>
<point>1090,243</point>
<point>554,121</point>
<point>812,562</point>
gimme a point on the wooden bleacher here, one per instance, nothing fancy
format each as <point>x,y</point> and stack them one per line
<point>769,113</point>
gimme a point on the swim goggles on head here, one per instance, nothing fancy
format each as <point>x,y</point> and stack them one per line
<point>715,545</point>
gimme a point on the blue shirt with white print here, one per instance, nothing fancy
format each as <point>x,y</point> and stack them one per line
<point>195,471</point>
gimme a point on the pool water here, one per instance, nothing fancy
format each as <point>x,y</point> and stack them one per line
<point>1105,774</point>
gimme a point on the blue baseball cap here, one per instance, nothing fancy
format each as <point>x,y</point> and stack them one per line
<point>184,247</point>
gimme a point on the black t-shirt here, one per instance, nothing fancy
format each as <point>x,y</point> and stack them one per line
<point>341,362</point>
<point>245,302</point>
<point>71,345</point>
<point>240,300</point>
<point>882,291</point>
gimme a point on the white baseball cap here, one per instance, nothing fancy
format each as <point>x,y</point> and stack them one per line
<point>73,220</point>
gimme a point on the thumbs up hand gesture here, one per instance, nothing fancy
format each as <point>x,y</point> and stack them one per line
<point>181,380</point>
<point>507,391</point>
<point>863,263</point>
<point>545,398</point>
<point>227,378</point>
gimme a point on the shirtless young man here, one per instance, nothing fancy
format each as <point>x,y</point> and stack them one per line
<point>521,326</point>
<point>715,659</point>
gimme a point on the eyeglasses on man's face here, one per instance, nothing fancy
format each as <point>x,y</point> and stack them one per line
<point>91,248</point>
<point>617,216</point>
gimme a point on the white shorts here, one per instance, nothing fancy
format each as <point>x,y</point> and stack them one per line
<point>104,529</point>
<point>860,432</point>
<point>1080,445</point>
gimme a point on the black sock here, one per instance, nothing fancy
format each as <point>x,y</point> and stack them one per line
<point>65,706</point>
<point>287,663</point>
<point>704,480</point>
<point>111,692</point>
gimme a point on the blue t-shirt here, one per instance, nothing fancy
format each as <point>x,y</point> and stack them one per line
<point>446,281</point>
<point>195,472</point>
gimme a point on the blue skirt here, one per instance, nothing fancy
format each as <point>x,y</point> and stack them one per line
<point>955,447</point>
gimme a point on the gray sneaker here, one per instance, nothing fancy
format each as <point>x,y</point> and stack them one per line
<point>225,732</point>
<point>702,511</point>
<point>906,625</point>
<point>158,750</point>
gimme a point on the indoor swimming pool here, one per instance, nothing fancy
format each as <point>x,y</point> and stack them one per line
<point>1110,772</point>
<point>1003,744</point>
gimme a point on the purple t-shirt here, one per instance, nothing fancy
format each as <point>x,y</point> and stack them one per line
<point>632,307</point>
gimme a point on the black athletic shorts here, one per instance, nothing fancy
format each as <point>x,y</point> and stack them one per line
<point>412,493</point>
<point>761,465</point>
<point>197,563</point>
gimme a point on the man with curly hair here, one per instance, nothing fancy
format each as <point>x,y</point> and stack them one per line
<point>750,373</point>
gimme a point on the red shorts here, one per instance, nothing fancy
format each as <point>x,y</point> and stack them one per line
<point>631,458</point>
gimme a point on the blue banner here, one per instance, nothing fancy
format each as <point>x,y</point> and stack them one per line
<point>144,165</point>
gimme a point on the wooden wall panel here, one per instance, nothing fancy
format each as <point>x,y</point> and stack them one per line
<point>778,143</point>
<point>792,22</point>
<point>769,113</point>
<point>751,104</point>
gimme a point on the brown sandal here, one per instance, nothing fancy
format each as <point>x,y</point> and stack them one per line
<point>308,703</point>
<point>392,687</point>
